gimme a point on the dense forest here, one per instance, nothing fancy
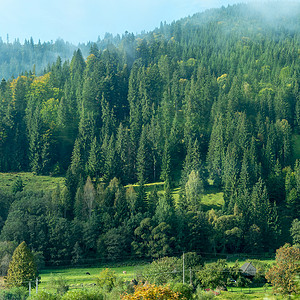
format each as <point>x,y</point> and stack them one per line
<point>208,101</point>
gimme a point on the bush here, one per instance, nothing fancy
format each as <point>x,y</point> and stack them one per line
<point>153,292</point>
<point>44,296</point>
<point>83,295</point>
<point>214,274</point>
<point>184,289</point>
<point>19,293</point>
<point>163,270</point>
<point>59,283</point>
<point>202,295</point>
<point>107,280</point>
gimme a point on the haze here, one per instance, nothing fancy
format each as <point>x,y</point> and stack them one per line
<point>85,20</point>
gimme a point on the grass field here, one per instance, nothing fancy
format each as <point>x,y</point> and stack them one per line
<point>78,277</point>
<point>212,197</point>
<point>31,182</point>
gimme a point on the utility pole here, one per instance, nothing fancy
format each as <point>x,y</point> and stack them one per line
<point>29,288</point>
<point>183,268</point>
<point>190,276</point>
<point>36,285</point>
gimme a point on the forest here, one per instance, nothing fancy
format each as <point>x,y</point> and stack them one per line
<point>208,101</point>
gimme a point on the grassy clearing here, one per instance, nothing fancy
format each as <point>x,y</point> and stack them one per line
<point>212,197</point>
<point>31,182</point>
<point>246,294</point>
<point>79,277</point>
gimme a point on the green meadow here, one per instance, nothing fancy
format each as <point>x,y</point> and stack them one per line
<point>31,181</point>
<point>78,277</point>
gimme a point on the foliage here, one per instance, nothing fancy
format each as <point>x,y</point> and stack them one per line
<point>6,251</point>
<point>83,295</point>
<point>163,270</point>
<point>107,279</point>
<point>18,186</point>
<point>150,292</point>
<point>295,231</point>
<point>206,103</point>
<point>59,283</point>
<point>200,294</point>
<point>17,293</point>
<point>214,274</point>
<point>185,290</point>
<point>22,267</point>
<point>261,270</point>
<point>282,276</point>
<point>42,295</point>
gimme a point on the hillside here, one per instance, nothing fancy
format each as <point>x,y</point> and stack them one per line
<point>209,105</point>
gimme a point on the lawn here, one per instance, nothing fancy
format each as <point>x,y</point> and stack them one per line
<point>31,181</point>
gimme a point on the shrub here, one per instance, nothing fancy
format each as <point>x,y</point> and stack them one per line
<point>42,295</point>
<point>107,280</point>
<point>19,293</point>
<point>153,292</point>
<point>214,274</point>
<point>83,295</point>
<point>184,289</point>
<point>59,283</point>
<point>202,295</point>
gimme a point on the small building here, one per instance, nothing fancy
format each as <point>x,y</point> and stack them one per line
<point>248,270</point>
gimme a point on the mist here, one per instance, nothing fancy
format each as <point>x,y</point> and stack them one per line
<point>273,10</point>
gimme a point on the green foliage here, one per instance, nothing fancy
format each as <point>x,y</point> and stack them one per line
<point>185,290</point>
<point>163,270</point>
<point>295,231</point>
<point>17,293</point>
<point>107,280</point>
<point>83,295</point>
<point>18,186</point>
<point>42,295</point>
<point>214,274</point>
<point>22,267</point>
<point>31,182</point>
<point>261,270</point>
<point>204,103</point>
<point>6,251</point>
<point>203,295</point>
<point>59,283</point>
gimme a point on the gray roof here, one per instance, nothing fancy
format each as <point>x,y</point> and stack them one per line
<point>248,269</point>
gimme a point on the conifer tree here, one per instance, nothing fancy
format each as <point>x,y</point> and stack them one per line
<point>22,267</point>
<point>166,161</point>
<point>93,166</point>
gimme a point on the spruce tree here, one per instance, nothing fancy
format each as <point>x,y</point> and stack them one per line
<point>22,267</point>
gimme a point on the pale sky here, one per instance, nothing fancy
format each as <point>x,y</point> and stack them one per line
<point>84,20</point>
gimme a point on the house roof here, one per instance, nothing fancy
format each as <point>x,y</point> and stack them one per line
<point>248,269</point>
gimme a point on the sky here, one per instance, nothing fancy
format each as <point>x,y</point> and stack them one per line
<point>79,21</point>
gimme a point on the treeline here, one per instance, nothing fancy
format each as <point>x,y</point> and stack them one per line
<point>208,100</point>
<point>35,57</point>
